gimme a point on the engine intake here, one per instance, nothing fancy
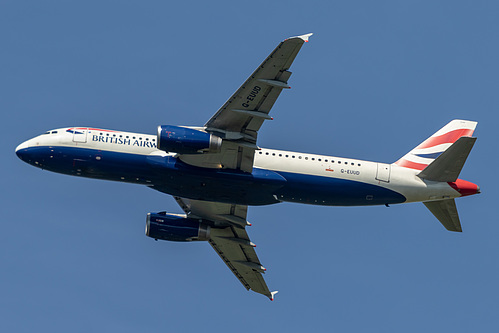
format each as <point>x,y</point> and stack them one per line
<point>184,140</point>
<point>176,228</point>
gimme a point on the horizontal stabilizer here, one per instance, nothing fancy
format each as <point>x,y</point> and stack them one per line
<point>446,212</point>
<point>447,166</point>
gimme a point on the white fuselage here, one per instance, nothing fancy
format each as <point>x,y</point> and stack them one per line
<point>403,181</point>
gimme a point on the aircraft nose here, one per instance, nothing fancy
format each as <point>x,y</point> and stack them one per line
<point>21,150</point>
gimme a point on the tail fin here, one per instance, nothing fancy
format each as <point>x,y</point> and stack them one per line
<point>424,154</point>
<point>441,158</point>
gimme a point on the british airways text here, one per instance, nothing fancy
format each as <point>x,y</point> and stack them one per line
<point>123,141</point>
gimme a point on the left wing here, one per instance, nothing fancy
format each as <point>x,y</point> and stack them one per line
<point>237,122</point>
<point>229,239</point>
<point>243,114</point>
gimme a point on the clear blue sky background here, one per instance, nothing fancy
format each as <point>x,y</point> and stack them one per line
<point>376,79</point>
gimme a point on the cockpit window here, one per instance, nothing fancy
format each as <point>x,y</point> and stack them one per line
<point>54,132</point>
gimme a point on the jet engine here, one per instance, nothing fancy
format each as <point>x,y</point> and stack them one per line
<point>176,228</point>
<point>183,140</point>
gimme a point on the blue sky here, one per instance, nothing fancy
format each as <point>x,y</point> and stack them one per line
<point>376,79</point>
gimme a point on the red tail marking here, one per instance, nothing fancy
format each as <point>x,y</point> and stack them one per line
<point>449,137</point>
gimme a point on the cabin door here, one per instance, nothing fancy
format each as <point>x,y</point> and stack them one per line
<point>383,172</point>
<point>79,135</point>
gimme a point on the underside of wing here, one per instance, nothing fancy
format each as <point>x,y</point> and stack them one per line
<point>237,251</point>
<point>446,212</point>
<point>237,122</point>
<point>243,114</point>
<point>229,239</point>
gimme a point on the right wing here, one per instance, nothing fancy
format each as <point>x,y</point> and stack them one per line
<point>229,239</point>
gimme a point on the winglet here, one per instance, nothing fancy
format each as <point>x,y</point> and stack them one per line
<point>272,293</point>
<point>303,37</point>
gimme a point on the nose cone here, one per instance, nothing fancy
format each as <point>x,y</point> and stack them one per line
<point>465,188</point>
<point>21,150</point>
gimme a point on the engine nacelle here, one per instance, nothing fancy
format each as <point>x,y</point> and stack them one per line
<point>176,228</point>
<point>184,140</point>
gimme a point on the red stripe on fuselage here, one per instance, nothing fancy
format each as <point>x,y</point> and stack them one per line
<point>91,129</point>
<point>96,129</point>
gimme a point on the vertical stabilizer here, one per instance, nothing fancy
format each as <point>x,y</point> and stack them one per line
<point>421,156</point>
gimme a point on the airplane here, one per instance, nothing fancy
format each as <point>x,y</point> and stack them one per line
<point>216,171</point>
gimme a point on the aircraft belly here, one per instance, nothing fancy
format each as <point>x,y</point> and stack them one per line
<point>222,185</point>
<point>172,176</point>
<point>330,191</point>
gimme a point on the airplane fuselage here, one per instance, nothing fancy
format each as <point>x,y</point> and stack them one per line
<point>277,176</point>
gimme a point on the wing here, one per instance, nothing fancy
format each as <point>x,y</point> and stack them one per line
<point>243,114</point>
<point>229,239</point>
<point>237,122</point>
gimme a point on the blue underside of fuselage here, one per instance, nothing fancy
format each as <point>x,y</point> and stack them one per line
<point>172,176</point>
